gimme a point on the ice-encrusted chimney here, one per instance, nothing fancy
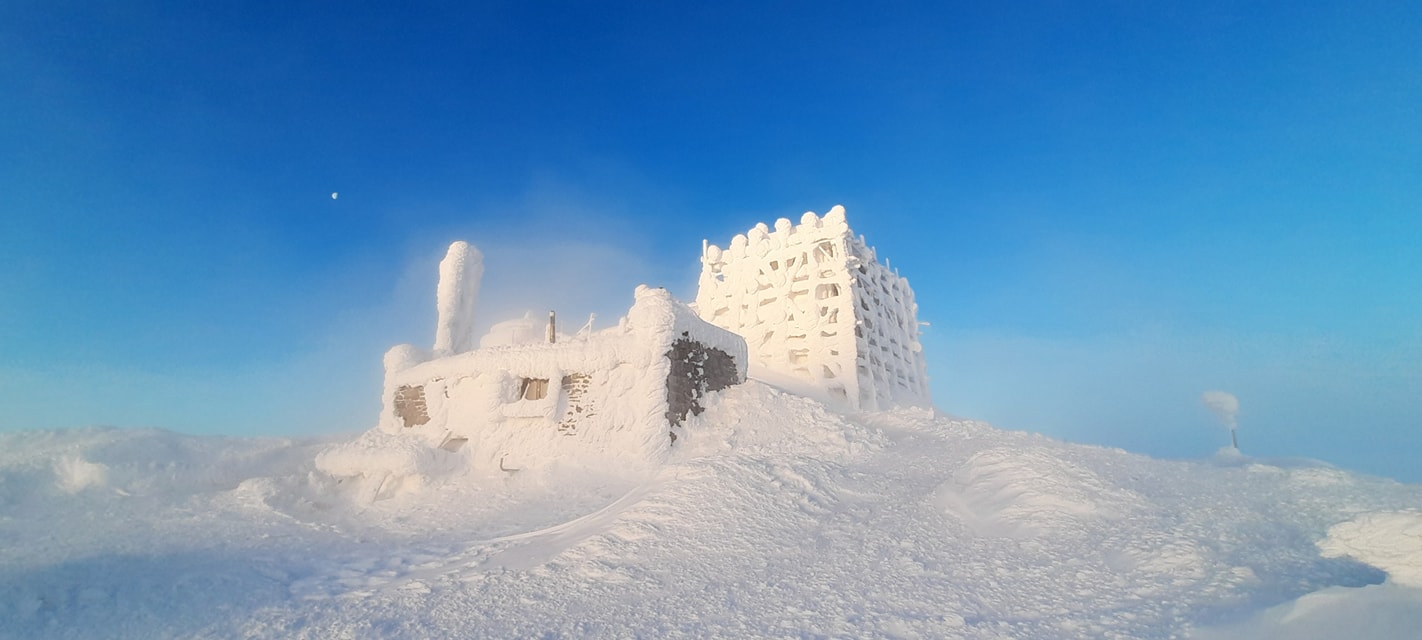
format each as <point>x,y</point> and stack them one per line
<point>458,294</point>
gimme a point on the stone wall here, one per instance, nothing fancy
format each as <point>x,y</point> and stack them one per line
<point>410,405</point>
<point>696,370</point>
<point>578,405</point>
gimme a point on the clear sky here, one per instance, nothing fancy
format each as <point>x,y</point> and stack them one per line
<point>1105,208</point>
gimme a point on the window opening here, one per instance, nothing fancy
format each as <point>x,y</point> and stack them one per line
<point>533,388</point>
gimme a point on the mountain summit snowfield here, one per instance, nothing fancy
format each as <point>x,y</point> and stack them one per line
<point>775,516</point>
<point>634,482</point>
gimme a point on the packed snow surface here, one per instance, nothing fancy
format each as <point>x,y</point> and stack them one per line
<point>1388,540</point>
<point>773,517</point>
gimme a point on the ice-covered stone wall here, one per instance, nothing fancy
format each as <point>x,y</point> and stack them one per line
<point>621,393</point>
<point>613,397</point>
<point>819,313</point>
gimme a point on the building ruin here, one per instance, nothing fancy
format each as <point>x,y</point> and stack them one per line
<point>527,396</point>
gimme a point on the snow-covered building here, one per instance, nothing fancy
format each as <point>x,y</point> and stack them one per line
<point>528,395</point>
<point>819,312</point>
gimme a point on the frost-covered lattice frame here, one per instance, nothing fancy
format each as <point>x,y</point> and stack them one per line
<point>818,311</point>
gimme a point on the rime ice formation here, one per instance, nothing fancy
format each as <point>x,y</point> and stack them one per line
<point>458,294</point>
<point>527,397</point>
<point>809,306</point>
<point>819,312</point>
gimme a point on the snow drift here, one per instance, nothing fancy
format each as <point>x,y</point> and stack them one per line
<point>1388,540</point>
<point>775,516</point>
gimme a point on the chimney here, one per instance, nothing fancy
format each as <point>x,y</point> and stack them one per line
<point>552,328</point>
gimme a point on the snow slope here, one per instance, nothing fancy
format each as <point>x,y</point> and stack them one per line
<point>775,517</point>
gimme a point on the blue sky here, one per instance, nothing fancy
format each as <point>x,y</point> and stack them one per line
<point>1105,208</point>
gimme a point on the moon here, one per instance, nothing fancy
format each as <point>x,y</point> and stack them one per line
<point>335,195</point>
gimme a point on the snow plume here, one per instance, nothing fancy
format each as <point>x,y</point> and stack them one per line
<point>74,474</point>
<point>572,277</point>
<point>1225,407</point>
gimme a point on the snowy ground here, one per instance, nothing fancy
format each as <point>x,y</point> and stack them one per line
<point>775,517</point>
